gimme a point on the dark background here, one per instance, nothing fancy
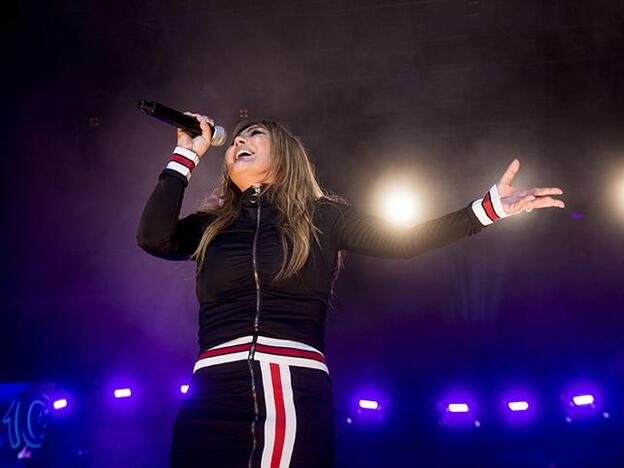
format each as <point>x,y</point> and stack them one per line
<point>442,92</point>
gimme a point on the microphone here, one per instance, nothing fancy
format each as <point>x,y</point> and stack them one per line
<point>180,120</point>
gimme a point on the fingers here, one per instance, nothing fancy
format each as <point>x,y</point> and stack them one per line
<point>544,191</point>
<point>520,205</point>
<point>205,127</point>
<point>510,173</point>
<point>542,198</point>
<point>205,123</point>
<point>544,202</point>
<point>530,202</point>
<point>200,143</point>
<point>200,118</point>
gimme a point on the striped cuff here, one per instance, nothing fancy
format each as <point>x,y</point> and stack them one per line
<point>489,208</point>
<point>183,161</point>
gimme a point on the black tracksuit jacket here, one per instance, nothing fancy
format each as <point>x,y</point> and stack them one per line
<point>232,304</point>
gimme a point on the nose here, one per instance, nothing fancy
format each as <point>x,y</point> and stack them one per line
<point>239,140</point>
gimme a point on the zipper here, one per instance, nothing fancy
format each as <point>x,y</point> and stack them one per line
<point>253,422</point>
<point>256,322</point>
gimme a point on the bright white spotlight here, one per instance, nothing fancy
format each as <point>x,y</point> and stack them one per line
<point>184,388</point>
<point>60,404</point>
<point>583,400</point>
<point>458,407</point>
<point>620,194</point>
<point>399,207</point>
<point>122,393</point>
<point>518,405</point>
<point>369,404</point>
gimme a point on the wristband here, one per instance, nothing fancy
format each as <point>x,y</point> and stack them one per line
<point>489,209</point>
<point>183,161</point>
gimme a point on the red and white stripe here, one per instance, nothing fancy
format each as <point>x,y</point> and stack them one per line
<point>183,161</point>
<point>271,350</point>
<point>280,426</point>
<point>489,209</point>
<point>276,356</point>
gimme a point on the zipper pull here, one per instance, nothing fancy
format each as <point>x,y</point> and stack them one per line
<point>254,196</point>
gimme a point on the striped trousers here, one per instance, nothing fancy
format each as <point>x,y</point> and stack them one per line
<point>270,410</point>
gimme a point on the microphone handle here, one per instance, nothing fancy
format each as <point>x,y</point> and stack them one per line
<point>172,117</point>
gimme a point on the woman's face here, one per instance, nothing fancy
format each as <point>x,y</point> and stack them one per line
<point>248,159</point>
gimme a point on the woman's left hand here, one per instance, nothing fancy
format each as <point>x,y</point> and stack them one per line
<point>515,200</point>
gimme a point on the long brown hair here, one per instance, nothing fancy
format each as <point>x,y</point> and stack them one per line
<point>293,193</point>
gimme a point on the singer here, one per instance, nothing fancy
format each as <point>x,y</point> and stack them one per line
<point>268,247</point>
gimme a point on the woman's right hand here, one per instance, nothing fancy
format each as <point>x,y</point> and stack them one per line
<point>200,144</point>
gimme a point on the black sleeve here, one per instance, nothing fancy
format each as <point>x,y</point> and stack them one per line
<point>366,234</point>
<point>160,231</point>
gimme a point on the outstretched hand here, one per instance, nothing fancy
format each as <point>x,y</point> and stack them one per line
<point>515,200</point>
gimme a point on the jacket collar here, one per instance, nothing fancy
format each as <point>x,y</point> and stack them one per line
<point>253,193</point>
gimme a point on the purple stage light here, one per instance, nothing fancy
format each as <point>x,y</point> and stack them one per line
<point>583,400</point>
<point>458,408</point>
<point>518,405</point>
<point>184,388</point>
<point>368,404</point>
<point>59,404</point>
<point>122,393</point>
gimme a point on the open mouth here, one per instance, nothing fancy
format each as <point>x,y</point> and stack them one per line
<point>243,154</point>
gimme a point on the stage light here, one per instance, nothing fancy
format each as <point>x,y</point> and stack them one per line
<point>458,408</point>
<point>368,404</point>
<point>122,393</point>
<point>399,207</point>
<point>619,193</point>
<point>583,400</point>
<point>59,404</point>
<point>184,389</point>
<point>518,405</point>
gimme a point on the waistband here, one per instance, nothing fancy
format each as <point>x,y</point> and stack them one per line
<point>267,349</point>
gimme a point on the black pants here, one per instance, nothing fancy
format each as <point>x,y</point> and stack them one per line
<point>287,420</point>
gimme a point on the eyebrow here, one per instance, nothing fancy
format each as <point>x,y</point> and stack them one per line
<point>250,128</point>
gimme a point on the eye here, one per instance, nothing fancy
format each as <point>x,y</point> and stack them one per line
<point>257,131</point>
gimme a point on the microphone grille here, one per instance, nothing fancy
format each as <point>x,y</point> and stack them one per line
<point>219,136</point>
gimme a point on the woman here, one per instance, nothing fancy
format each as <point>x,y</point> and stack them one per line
<point>266,255</point>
